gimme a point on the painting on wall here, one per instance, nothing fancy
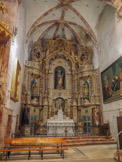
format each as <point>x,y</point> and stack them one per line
<point>16,78</point>
<point>112,81</point>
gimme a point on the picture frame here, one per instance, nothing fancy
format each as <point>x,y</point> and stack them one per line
<point>111,79</point>
<point>15,84</point>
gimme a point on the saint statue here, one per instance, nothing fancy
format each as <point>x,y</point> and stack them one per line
<point>34,89</point>
<point>59,78</point>
<point>96,116</point>
<point>86,90</point>
<point>25,115</point>
<point>60,105</point>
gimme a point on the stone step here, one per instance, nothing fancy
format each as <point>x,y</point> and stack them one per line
<point>89,143</point>
<point>89,137</point>
<point>89,140</point>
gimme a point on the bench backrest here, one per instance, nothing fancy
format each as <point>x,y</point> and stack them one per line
<point>27,141</point>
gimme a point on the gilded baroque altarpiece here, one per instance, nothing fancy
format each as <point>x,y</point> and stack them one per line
<point>58,75</point>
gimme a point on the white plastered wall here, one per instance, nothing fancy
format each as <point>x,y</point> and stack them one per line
<point>110,49</point>
<point>16,52</point>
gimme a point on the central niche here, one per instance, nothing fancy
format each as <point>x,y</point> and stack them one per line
<point>59,78</point>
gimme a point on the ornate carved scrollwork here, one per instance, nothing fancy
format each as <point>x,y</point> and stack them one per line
<point>37,53</point>
<point>60,44</point>
<point>85,56</point>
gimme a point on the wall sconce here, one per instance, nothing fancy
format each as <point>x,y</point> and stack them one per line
<point>14,34</point>
<point>15,30</point>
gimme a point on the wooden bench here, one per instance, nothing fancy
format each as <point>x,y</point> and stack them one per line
<point>34,144</point>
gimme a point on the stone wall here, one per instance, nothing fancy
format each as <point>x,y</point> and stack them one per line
<point>10,20</point>
<point>14,49</point>
<point>110,49</point>
<point>16,52</point>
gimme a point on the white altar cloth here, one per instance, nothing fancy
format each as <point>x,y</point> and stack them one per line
<point>60,126</point>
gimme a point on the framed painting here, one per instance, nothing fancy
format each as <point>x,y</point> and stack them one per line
<point>16,78</point>
<point>112,81</point>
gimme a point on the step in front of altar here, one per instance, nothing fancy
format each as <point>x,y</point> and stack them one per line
<point>88,140</point>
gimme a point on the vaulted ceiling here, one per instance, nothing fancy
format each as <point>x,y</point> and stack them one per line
<point>71,19</point>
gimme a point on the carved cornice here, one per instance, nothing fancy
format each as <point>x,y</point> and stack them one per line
<point>2,8</point>
<point>4,33</point>
<point>116,4</point>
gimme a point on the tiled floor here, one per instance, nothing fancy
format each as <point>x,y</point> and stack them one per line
<point>99,153</point>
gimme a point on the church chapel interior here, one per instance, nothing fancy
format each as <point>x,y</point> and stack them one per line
<point>60,68</point>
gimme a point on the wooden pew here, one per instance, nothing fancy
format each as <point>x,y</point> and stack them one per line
<point>34,144</point>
